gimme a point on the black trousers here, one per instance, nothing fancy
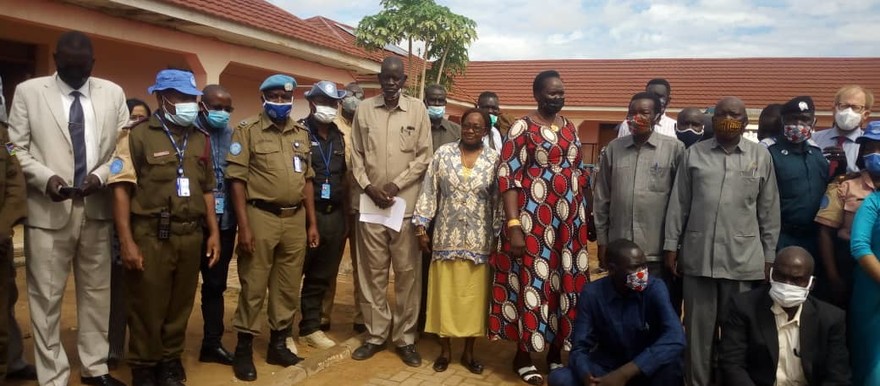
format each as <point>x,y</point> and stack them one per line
<point>213,286</point>
<point>321,267</point>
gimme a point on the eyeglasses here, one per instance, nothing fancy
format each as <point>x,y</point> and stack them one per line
<point>473,129</point>
<point>855,108</point>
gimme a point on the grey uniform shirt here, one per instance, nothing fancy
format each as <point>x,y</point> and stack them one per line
<point>632,188</point>
<point>724,210</point>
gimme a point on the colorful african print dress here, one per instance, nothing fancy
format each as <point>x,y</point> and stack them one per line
<point>534,298</point>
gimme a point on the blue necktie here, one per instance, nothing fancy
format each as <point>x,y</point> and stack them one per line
<point>77,126</point>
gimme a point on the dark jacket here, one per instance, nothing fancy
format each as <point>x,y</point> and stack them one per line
<point>750,345</point>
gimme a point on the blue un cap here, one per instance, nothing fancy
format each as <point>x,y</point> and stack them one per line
<point>179,80</point>
<point>872,132</point>
<point>285,82</point>
<point>326,88</point>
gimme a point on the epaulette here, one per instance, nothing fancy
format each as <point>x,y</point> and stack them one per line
<point>248,122</point>
<point>135,123</point>
<point>767,142</point>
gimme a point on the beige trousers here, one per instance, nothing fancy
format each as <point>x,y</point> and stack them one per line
<point>379,251</point>
<point>83,245</point>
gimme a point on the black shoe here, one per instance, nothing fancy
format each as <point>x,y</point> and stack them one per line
<point>366,351</point>
<point>101,380</point>
<point>143,376</point>
<point>215,355</point>
<point>359,328</point>
<point>243,361</point>
<point>409,355</point>
<point>175,369</point>
<point>325,327</point>
<point>278,353</point>
<point>27,373</point>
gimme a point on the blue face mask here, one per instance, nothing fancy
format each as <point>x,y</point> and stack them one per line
<point>872,163</point>
<point>217,119</point>
<point>277,111</point>
<point>185,113</point>
<point>436,112</point>
<point>494,119</point>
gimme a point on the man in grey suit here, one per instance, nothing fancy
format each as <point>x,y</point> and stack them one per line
<point>724,213</point>
<point>64,130</point>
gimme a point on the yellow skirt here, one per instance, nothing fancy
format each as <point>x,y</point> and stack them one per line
<point>458,299</point>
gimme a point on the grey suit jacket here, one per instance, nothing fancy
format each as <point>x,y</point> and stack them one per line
<point>38,129</point>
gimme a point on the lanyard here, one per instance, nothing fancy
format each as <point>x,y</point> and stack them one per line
<point>180,150</point>
<point>325,157</point>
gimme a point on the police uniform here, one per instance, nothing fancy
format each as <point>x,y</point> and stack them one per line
<point>13,209</point>
<point>322,263</point>
<point>166,224</point>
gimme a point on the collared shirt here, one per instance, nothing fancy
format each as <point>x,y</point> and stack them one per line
<point>447,132</point>
<point>666,126</point>
<point>612,329</point>
<point>841,201</point>
<point>391,145</point>
<point>828,138</point>
<point>493,139</point>
<point>724,210</point>
<point>789,370</point>
<point>631,191</point>
<point>802,177</point>
<point>332,148</point>
<point>220,141</point>
<point>91,125</point>
<point>265,156</point>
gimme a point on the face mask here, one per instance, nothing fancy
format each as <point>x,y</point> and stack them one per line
<point>872,163</point>
<point>436,112</point>
<point>217,119</point>
<point>551,106</point>
<point>638,124</point>
<point>185,115</point>
<point>350,104</point>
<point>727,127</point>
<point>493,118</point>
<point>847,120</point>
<point>688,136</point>
<point>797,133</point>
<point>277,111</point>
<point>324,114</point>
<point>638,280</point>
<point>788,295</point>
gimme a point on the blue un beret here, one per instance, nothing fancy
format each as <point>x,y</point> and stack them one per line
<point>285,82</point>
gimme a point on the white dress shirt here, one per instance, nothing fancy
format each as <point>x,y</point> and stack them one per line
<point>495,138</point>
<point>666,126</point>
<point>789,370</point>
<point>828,138</point>
<point>91,134</point>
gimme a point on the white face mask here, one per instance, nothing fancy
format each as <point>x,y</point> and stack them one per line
<point>847,120</point>
<point>788,295</point>
<point>324,114</point>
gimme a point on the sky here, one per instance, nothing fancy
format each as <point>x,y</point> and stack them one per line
<point>617,29</point>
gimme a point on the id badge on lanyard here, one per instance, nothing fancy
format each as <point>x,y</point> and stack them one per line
<point>182,187</point>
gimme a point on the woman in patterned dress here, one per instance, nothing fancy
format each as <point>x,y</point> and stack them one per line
<point>460,196</point>
<point>543,263</point>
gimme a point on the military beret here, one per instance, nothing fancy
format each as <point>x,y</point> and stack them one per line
<point>798,105</point>
<point>285,82</point>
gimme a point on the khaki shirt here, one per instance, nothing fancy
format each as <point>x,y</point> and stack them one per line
<point>13,191</point>
<point>447,132</point>
<point>724,210</point>
<point>262,156</point>
<point>631,191</point>
<point>391,145</point>
<point>146,158</point>
<point>841,201</point>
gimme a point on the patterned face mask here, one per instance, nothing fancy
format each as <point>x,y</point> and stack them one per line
<point>638,124</point>
<point>727,127</point>
<point>797,133</point>
<point>638,280</point>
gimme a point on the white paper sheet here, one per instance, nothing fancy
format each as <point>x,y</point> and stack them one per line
<point>392,217</point>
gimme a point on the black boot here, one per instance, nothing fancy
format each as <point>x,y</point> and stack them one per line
<point>243,363</point>
<point>167,374</point>
<point>143,376</point>
<point>278,353</point>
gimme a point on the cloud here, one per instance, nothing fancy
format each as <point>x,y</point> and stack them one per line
<point>548,29</point>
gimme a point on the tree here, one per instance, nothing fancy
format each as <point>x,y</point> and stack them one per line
<point>445,36</point>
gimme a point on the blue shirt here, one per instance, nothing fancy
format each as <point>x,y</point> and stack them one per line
<point>220,141</point>
<point>828,138</point>
<point>611,329</point>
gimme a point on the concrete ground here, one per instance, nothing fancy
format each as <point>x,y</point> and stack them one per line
<point>331,367</point>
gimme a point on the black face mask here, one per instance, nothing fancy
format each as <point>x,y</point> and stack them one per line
<point>688,137</point>
<point>74,76</point>
<point>551,106</point>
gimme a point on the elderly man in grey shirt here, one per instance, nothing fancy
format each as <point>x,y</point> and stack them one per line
<point>634,181</point>
<point>724,213</point>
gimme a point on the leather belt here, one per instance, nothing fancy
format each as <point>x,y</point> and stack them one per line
<point>180,228</point>
<point>278,210</point>
<point>326,207</point>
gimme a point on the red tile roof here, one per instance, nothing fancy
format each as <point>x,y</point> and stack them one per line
<point>695,82</point>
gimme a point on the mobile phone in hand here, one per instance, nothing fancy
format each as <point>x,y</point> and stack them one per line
<point>69,191</point>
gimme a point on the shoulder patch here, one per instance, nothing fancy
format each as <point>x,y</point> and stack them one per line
<point>116,166</point>
<point>235,148</point>
<point>10,148</point>
<point>824,203</point>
